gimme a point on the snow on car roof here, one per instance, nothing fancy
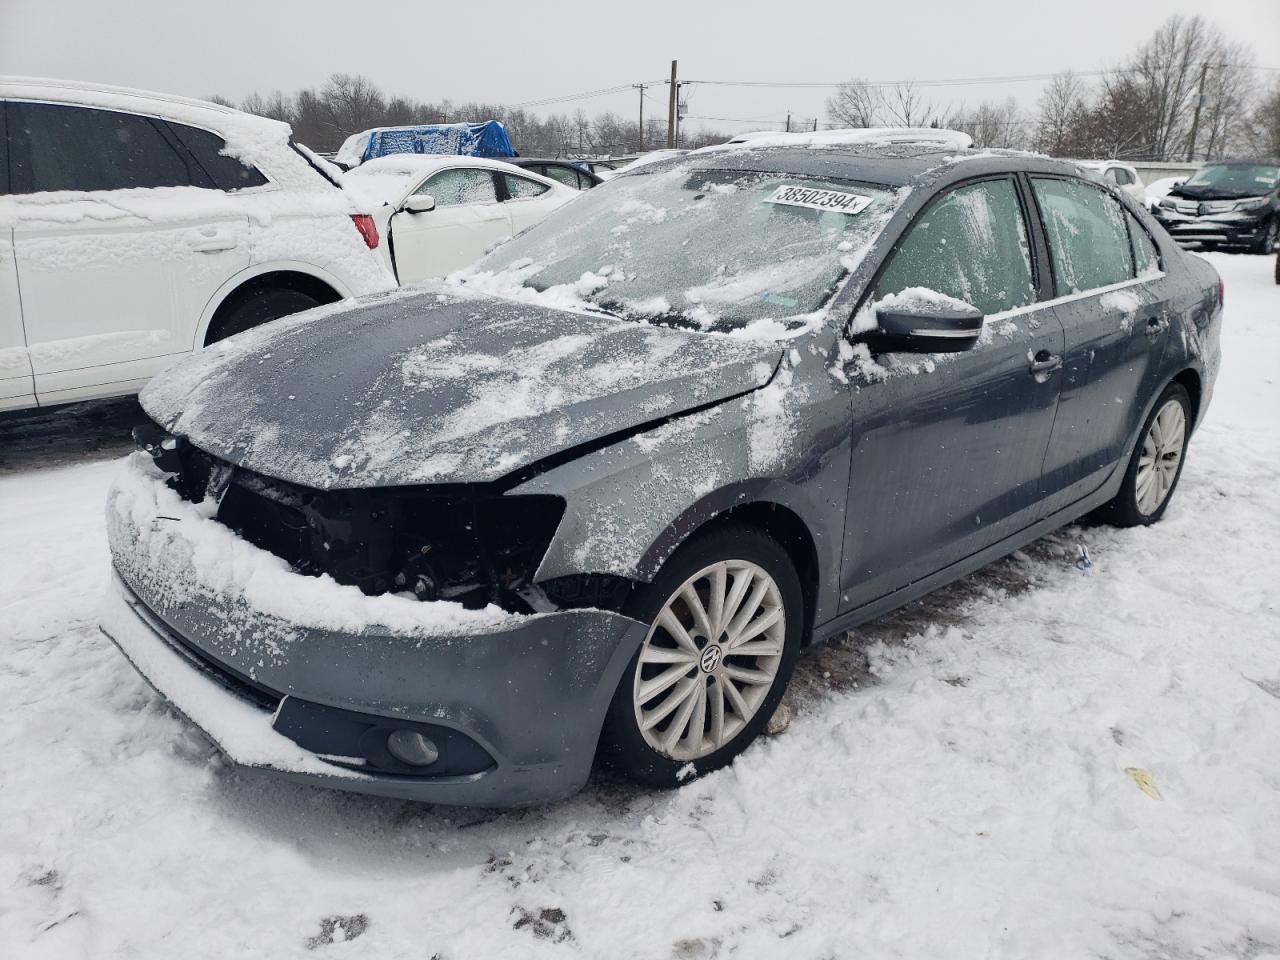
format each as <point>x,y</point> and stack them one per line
<point>250,138</point>
<point>953,139</point>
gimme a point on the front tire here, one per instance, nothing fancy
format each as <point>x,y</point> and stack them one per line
<point>1267,242</point>
<point>1156,464</point>
<point>725,618</point>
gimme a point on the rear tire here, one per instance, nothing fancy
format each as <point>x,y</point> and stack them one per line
<point>663,718</point>
<point>1156,464</point>
<point>258,308</point>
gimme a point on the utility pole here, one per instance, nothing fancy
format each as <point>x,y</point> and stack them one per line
<point>640,87</point>
<point>671,110</point>
<point>1195,117</point>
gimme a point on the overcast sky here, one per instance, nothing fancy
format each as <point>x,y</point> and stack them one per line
<point>496,50</point>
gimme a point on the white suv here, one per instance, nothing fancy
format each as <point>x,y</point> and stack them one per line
<point>136,227</point>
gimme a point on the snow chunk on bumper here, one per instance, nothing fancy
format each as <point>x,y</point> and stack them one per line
<point>173,553</point>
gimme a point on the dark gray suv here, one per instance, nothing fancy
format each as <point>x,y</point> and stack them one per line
<point>587,502</point>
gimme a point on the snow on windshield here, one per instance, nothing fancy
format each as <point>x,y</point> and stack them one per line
<point>714,249</point>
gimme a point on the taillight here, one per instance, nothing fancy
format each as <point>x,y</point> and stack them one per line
<point>364,223</point>
<point>1222,291</point>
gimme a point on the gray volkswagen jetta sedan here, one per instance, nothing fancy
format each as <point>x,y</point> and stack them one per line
<point>586,501</point>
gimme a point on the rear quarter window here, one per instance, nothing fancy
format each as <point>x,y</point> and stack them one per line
<point>226,172</point>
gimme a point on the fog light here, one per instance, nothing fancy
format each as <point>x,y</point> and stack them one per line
<point>411,747</point>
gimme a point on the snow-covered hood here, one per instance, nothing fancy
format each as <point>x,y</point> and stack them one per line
<point>439,388</point>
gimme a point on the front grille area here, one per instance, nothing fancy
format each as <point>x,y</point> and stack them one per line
<point>467,543</point>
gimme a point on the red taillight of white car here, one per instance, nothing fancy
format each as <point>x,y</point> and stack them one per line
<point>368,229</point>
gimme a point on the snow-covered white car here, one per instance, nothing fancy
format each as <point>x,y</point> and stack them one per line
<point>441,212</point>
<point>1123,175</point>
<point>137,227</point>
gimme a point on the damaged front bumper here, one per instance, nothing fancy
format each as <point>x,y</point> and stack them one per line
<point>1226,229</point>
<point>511,709</point>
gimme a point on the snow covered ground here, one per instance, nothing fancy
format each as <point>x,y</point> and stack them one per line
<point>953,784</point>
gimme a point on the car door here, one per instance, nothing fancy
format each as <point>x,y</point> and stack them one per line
<point>948,449</point>
<point>17,388</point>
<point>528,201</point>
<point>466,220</point>
<point>1112,300</point>
<point>116,254</point>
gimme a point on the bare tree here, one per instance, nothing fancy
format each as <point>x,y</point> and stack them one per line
<point>994,124</point>
<point>854,104</point>
<point>906,106</point>
<point>1062,109</point>
<point>1263,130</point>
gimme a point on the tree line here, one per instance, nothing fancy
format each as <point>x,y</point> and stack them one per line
<point>1144,108</point>
<point>1186,93</point>
<point>323,117</point>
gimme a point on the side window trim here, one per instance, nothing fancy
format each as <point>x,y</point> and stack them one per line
<point>1041,261</point>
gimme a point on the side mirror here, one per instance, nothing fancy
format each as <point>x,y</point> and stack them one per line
<point>924,324</point>
<point>419,203</point>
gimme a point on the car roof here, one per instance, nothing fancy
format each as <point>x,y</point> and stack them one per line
<point>106,95</point>
<point>892,165</point>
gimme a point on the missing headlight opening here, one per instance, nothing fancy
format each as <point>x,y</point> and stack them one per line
<point>468,544</point>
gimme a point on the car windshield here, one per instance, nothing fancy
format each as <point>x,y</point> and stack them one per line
<point>1241,178</point>
<point>714,249</point>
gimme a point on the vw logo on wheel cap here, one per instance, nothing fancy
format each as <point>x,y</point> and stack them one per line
<point>710,658</point>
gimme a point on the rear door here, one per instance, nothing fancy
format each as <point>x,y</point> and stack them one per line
<point>466,221</point>
<point>17,388</point>
<point>116,254</point>
<point>528,201</point>
<point>1112,300</point>
<point>948,449</point>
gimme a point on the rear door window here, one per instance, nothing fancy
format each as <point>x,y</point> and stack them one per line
<point>1089,242</point>
<point>62,147</point>
<point>563,174</point>
<point>521,188</point>
<point>971,245</point>
<point>462,185</point>
<point>226,172</point>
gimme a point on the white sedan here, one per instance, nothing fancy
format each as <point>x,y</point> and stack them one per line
<point>443,212</point>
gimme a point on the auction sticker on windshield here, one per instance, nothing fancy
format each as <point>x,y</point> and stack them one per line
<point>816,199</point>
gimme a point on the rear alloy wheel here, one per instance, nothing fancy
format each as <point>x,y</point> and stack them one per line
<point>1156,464</point>
<point>724,621</point>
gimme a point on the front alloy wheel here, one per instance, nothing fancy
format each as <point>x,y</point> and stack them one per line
<point>711,657</point>
<point>725,616</point>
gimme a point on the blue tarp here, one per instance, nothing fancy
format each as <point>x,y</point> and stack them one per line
<point>488,139</point>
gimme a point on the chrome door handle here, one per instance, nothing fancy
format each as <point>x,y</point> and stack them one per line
<point>1045,362</point>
